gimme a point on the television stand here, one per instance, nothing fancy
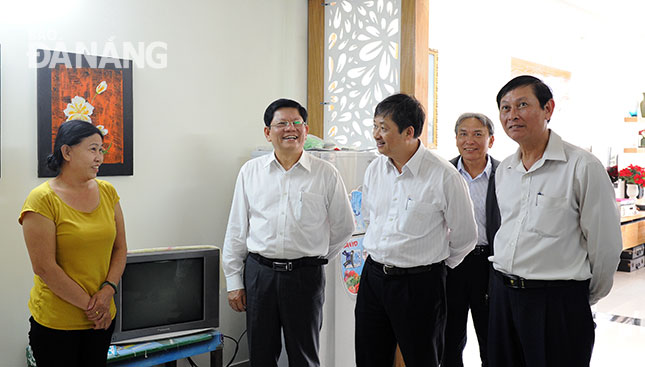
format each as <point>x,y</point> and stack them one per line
<point>170,350</point>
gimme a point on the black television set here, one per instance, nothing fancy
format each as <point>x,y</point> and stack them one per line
<point>167,292</point>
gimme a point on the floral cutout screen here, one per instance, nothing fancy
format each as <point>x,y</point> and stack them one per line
<point>362,67</point>
<point>93,89</point>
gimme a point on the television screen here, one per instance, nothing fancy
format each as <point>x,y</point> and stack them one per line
<point>170,291</point>
<point>174,287</point>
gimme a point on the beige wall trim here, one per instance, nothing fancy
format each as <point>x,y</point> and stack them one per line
<point>414,53</point>
<point>315,68</point>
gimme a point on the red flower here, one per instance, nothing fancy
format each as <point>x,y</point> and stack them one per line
<point>633,175</point>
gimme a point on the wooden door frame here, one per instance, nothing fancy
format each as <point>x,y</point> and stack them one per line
<point>414,60</point>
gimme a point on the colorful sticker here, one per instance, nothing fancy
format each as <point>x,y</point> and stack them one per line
<point>351,263</point>
<point>356,199</point>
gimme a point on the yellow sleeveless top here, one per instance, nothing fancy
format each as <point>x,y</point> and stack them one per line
<point>84,244</point>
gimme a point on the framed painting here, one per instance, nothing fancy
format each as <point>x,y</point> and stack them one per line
<point>557,79</point>
<point>94,89</point>
<point>432,98</point>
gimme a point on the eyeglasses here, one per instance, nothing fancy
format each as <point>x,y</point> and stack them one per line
<point>283,124</point>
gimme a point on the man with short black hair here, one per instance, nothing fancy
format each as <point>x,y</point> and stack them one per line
<point>290,214</point>
<point>420,220</point>
<point>559,243</point>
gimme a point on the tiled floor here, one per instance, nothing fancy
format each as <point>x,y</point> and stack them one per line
<point>620,320</point>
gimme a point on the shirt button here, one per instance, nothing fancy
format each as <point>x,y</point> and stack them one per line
<point>391,219</point>
<point>395,199</point>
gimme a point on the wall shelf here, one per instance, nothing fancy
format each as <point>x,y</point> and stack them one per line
<point>634,150</point>
<point>634,119</point>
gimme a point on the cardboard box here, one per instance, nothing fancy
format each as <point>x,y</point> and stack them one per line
<point>628,210</point>
<point>630,265</point>
<point>626,207</point>
<point>633,253</point>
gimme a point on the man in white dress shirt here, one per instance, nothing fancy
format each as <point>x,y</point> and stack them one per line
<point>290,214</point>
<point>559,243</point>
<point>420,217</point>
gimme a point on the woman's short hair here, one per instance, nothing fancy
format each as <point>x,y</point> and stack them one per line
<point>69,133</point>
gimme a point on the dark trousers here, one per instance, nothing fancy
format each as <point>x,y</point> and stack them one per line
<point>467,288</point>
<point>69,348</point>
<point>540,327</point>
<point>290,301</point>
<point>408,309</point>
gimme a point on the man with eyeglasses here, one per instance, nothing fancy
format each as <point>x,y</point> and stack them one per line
<point>290,214</point>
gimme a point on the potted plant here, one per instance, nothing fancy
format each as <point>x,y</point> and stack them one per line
<point>634,177</point>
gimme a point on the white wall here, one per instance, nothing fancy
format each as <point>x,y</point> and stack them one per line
<point>195,122</point>
<point>602,50</point>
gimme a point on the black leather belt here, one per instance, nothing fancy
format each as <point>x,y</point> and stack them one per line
<point>513,281</point>
<point>288,264</point>
<point>393,270</point>
<point>480,250</point>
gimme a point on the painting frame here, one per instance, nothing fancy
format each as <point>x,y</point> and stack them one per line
<point>433,61</point>
<point>50,64</point>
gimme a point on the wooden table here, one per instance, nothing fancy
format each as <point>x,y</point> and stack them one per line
<point>633,230</point>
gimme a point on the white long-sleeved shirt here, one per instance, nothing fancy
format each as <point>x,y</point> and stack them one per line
<point>420,216</point>
<point>478,188</point>
<point>282,214</point>
<point>559,218</point>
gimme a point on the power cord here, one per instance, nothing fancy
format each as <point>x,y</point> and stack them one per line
<point>192,363</point>
<point>237,347</point>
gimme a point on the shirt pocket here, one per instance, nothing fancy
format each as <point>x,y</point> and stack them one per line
<point>311,210</point>
<point>416,218</point>
<point>549,215</point>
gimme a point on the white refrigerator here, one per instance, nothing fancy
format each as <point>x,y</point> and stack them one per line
<point>342,272</point>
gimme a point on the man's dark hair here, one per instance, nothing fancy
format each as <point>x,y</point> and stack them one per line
<point>404,111</point>
<point>541,90</point>
<point>282,103</point>
<point>69,133</point>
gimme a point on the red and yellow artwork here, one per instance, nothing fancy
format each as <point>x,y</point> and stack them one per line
<point>92,95</point>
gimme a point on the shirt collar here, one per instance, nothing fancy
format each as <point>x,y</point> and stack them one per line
<point>554,148</point>
<point>304,161</point>
<point>554,151</point>
<point>414,163</point>
<point>486,172</point>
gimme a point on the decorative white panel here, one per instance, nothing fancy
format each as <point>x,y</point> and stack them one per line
<point>362,67</point>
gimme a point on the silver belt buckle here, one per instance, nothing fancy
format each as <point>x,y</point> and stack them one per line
<point>385,267</point>
<point>280,266</point>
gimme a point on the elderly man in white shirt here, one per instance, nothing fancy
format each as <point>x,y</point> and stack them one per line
<point>290,214</point>
<point>467,284</point>
<point>420,216</point>
<point>559,242</point>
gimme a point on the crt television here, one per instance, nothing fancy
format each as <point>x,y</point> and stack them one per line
<point>167,292</point>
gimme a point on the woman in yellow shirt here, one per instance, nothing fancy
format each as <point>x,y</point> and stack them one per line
<point>75,235</point>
